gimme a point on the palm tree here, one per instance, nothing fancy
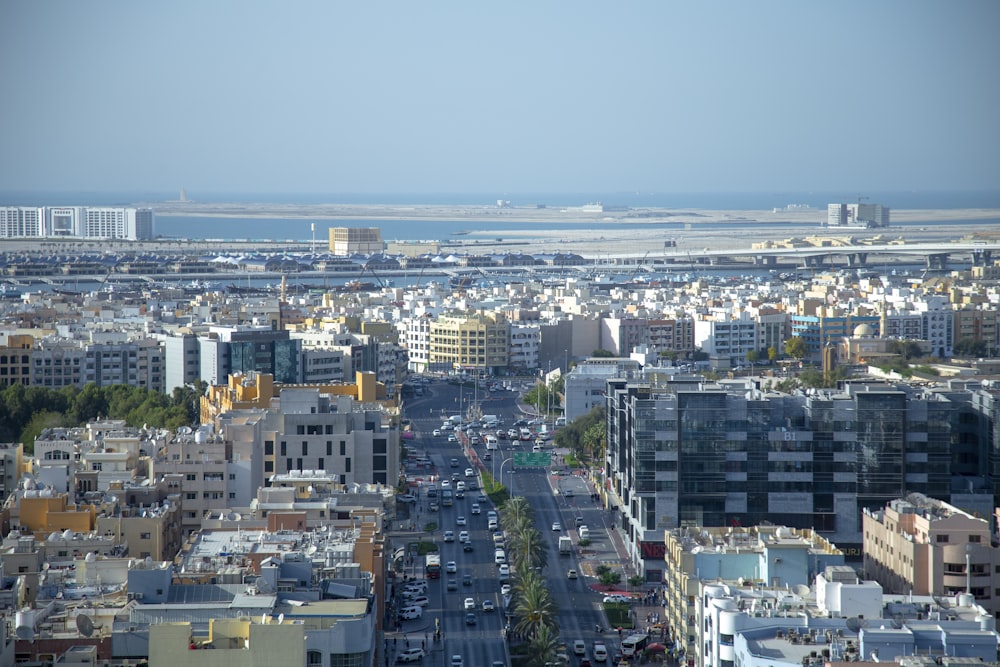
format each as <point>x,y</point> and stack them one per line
<point>528,549</point>
<point>515,511</point>
<point>535,608</point>
<point>544,646</point>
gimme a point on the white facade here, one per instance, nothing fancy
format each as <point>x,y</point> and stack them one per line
<point>128,223</point>
<point>727,337</point>
<point>524,344</point>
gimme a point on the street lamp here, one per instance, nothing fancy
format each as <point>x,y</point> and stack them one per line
<point>505,462</point>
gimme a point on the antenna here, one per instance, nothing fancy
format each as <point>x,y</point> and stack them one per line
<point>84,625</point>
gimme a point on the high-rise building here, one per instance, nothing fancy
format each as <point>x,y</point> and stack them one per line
<point>685,452</point>
<point>857,215</point>
<point>133,224</point>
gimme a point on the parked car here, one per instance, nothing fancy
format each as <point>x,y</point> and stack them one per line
<point>406,498</point>
<point>410,613</point>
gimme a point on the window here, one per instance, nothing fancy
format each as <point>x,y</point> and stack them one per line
<point>269,447</point>
<point>191,496</point>
<point>305,448</point>
<point>232,476</point>
<point>145,536</point>
<point>268,466</point>
<point>347,464</point>
<point>329,447</point>
<point>321,463</point>
<point>975,538</point>
<point>191,477</point>
<point>941,539</point>
<point>232,496</point>
<point>343,448</point>
<point>284,448</point>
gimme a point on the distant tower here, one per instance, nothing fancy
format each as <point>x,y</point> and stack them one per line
<point>184,196</point>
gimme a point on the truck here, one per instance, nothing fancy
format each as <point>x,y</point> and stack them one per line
<point>565,545</point>
<point>490,420</point>
<point>455,420</point>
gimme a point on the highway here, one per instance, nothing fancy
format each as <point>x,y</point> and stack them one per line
<point>580,608</point>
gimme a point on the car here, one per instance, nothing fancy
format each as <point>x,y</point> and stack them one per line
<point>459,493</point>
<point>513,434</point>
<point>487,456</point>
<point>456,661</point>
<point>452,585</point>
<point>421,601</point>
<point>437,432</point>
<point>449,536</point>
<point>455,477</point>
<point>452,438</point>
<point>445,483</point>
<point>463,536</point>
<point>504,572</point>
<point>556,527</point>
<point>460,521</point>
<point>416,587</point>
<point>579,521</point>
<point>434,507</point>
<point>498,539</point>
<point>406,498</point>
<point>460,486</point>
<point>489,606</point>
<point>470,603</point>
<point>616,598</point>
<point>453,463</point>
<point>470,619</point>
<point>415,654</point>
<point>585,662</point>
<point>466,579</point>
<point>410,613</point>
<point>482,498</point>
<point>469,472</point>
<point>475,508</point>
<point>571,574</point>
<point>505,589</point>
<point>451,567</point>
<point>497,663</point>
<point>467,546</point>
<point>579,647</point>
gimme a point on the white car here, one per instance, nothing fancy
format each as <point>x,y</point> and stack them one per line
<point>449,536</point>
<point>505,589</point>
<point>469,472</point>
<point>470,603</point>
<point>451,567</point>
<point>415,654</point>
<point>488,605</point>
<point>475,508</point>
<point>456,661</point>
<point>556,527</point>
<point>460,521</point>
<point>504,572</point>
<point>617,598</point>
<point>463,536</point>
<point>452,438</point>
<point>437,431</point>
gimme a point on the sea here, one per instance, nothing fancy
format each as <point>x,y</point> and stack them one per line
<point>284,229</point>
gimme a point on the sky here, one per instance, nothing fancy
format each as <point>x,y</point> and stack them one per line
<point>416,97</point>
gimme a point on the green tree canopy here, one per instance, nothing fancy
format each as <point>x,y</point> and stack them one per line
<point>796,347</point>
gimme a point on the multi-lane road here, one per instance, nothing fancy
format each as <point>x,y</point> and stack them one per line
<point>483,644</point>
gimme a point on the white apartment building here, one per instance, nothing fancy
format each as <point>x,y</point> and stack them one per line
<point>727,337</point>
<point>128,223</point>
<point>415,336</point>
<point>524,345</point>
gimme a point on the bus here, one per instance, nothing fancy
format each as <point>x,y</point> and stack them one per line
<point>432,566</point>
<point>634,644</point>
<point>446,498</point>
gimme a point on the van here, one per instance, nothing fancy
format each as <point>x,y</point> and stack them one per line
<point>579,647</point>
<point>410,613</point>
<point>600,652</point>
<point>584,533</point>
<point>499,557</point>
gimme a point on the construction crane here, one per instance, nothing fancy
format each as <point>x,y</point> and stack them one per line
<point>638,266</point>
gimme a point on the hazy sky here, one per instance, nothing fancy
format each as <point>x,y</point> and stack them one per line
<point>373,97</point>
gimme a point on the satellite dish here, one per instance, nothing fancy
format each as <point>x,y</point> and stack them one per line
<point>802,589</point>
<point>854,624</point>
<point>25,632</point>
<point>45,566</point>
<point>84,625</point>
<point>263,618</point>
<point>281,619</point>
<point>311,549</point>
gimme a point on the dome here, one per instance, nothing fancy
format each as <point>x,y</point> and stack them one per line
<point>863,330</point>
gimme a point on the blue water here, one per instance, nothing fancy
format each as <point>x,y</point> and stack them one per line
<point>193,227</point>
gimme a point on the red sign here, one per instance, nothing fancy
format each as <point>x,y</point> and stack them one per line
<point>657,550</point>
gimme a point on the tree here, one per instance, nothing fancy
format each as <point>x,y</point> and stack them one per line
<point>796,347</point>
<point>752,357</point>
<point>544,646</point>
<point>528,549</point>
<point>971,347</point>
<point>610,578</point>
<point>772,354</point>
<point>535,608</point>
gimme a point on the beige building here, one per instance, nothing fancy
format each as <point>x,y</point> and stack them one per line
<point>356,240</point>
<point>228,643</point>
<point>15,360</point>
<point>478,342</point>
<point>925,546</point>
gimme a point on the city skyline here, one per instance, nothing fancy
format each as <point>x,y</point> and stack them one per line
<point>455,98</point>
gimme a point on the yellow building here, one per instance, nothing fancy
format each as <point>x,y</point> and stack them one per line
<point>43,514</point>
<point>15,360</point>
<point>479,342</point>
<point>237,642</point>
<point>255,390</point>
